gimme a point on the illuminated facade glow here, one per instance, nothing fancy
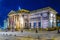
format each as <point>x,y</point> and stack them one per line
<point>34,19</point>
<point>21,19</point>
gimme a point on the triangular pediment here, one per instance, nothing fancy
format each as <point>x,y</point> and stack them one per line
<point>12,12</point>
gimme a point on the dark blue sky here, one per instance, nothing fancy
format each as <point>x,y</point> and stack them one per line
<point>7,5</point>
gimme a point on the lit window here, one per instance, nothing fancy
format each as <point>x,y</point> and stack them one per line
<point>54,15</point>
<point>51,20</point>
<point>51,15</point>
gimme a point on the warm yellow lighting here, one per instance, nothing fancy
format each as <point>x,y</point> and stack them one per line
<point>21,21</point>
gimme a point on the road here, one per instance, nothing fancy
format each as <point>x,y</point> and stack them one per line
<point>32,35</point>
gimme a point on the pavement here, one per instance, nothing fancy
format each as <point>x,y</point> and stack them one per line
<point>43,35</point>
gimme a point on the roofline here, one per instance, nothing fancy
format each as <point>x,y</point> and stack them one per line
<point>46,8</point>
<point>27,11</point>
<point>10,12</point>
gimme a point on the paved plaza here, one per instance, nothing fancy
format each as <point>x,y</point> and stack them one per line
<point>43,35</point>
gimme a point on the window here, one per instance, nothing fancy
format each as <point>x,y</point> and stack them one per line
<point>51,15</point>
<point>39,24</point>
<point>58,24</point>
<point>34,25</point>
<point>30,24</point>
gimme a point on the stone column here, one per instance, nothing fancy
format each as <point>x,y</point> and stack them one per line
<point>16,20</point>
<point>13,23</point>
<point>8,22</point>
<point>41,21</point>
<point>19,21</point>
<point>54,19</point>
<point>10,25</point>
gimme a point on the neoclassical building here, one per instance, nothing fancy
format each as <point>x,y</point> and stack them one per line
<point>18,19</point>
<point>41,18</point>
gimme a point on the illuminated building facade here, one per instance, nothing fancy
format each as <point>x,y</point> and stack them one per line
<point>17,19</point>
<point>41,18</point>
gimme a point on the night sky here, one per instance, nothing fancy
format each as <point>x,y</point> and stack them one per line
<point>7,5</point>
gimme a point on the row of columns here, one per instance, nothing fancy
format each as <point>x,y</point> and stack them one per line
<point>15,22</point>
